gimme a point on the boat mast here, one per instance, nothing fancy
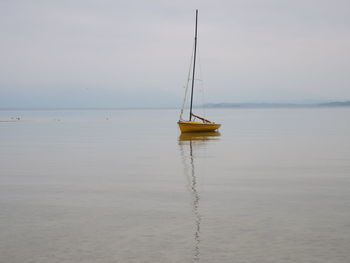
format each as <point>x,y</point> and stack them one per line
<point>194,64</point>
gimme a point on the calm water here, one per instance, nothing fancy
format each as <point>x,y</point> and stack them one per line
<point>122,186</point>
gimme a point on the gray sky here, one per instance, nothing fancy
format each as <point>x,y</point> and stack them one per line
<point>111,53</point>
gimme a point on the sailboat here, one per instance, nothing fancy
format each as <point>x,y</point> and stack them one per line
<point>195,122</point>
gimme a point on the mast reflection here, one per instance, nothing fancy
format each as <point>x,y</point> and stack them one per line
<point>189,144</point>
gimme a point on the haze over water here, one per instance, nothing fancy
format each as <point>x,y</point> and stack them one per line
<point>124,186</point>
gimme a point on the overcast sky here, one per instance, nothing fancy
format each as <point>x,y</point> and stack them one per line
<point>112,53</point>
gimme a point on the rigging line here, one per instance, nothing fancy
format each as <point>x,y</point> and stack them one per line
<point>202,82</point>
<point>187,83</point>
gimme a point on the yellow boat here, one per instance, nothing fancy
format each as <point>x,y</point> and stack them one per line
<point>195,126</point>
<point>192,125</point>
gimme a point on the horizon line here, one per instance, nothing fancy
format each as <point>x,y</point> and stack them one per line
<point>345,103</point>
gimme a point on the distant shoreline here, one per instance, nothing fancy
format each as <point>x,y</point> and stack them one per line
<point>334,104</point>
<point>278,105</point>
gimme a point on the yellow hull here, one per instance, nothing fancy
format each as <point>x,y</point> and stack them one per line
<point>194,126</point>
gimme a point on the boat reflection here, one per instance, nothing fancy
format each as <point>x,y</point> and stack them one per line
<point>198,136</point>
<point>190,144</point>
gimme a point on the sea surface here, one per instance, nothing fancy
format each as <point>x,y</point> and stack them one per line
<point>124,186</point>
